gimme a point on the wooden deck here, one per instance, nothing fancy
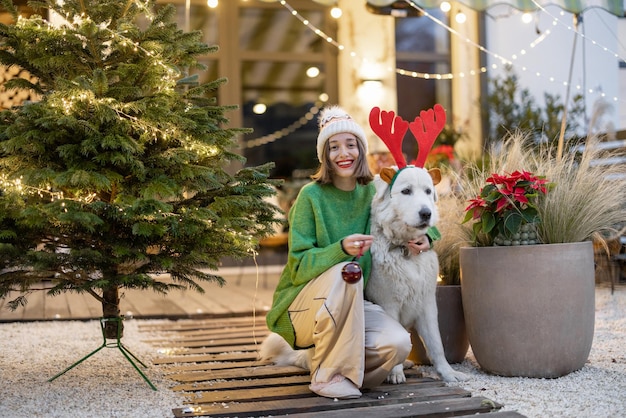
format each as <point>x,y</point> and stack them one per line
<point>214,363</point>
<point>247,291</point>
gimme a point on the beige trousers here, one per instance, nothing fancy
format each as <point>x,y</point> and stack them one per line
<point>352,337</point>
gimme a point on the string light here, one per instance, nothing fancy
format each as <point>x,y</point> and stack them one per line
<point>533,44</point>
<point>448,76</point>
<point>312,72</point>
<point>308,116</point>
<point>72,103</point>
<point>435,76</point>
<point>556,21</point>
<point>77,21</point>
<point>16,186</point>
<point>67,104</point>
<point>427,76</point>
<point>259,108</point>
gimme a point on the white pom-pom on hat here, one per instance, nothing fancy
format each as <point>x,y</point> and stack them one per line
<point>334,120</point>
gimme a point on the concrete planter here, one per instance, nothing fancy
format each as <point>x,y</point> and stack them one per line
<point>529,310</point>
<point>451,328</point>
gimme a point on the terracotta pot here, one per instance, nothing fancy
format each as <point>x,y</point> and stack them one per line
<point>529,309</point>
<point>451,328</point>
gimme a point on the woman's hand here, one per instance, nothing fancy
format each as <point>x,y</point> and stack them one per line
<point>357,244</point>
<point>418,245</point>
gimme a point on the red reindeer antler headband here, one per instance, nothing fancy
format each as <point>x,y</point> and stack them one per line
<point>391,130</point>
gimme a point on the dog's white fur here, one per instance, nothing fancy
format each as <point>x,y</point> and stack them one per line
<point>402,284</point>
<point>275,349</point>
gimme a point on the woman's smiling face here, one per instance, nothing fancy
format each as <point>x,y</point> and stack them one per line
<point>343,153</point>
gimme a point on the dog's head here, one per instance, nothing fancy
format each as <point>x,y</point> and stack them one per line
<point>404,203</point>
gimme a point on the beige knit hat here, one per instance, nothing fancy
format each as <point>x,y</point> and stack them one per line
<point>334,120</point>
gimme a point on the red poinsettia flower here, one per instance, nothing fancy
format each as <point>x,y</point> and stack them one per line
<point>506,202</point>
<point>446,150</point>
<point>476,206</point>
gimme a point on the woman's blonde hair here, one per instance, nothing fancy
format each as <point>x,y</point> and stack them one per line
<point>324,174</point>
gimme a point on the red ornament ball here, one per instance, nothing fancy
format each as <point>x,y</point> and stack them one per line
<point>351,273</point>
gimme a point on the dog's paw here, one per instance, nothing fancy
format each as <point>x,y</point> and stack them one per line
<point>407,364</point>
<point>396,376</point>
<point>454,376</point>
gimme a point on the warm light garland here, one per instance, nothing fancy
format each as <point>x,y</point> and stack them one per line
<point>67,104</point>
<point>433,76</point>
<point>16,186</point>
<point>308,116</point>
<point>71,104</point>
<point>445,76</point>
<point>555,21</point>
<point>457,33</point>
<point>171,74</point>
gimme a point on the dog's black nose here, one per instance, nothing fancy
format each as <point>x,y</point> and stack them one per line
<point>425,214</point>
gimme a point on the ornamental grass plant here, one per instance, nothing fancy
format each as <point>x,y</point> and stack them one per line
<point>454,235</point>
<point>587,200</point>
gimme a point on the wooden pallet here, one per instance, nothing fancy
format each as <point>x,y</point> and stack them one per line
<point>214,363</point>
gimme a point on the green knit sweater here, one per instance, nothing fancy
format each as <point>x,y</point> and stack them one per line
<point>320,218</point>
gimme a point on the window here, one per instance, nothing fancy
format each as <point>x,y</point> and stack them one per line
<point>277,68</point>
<point>277,52</point>
<point>421,46</point>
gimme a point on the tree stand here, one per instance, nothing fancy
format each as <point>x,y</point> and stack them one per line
<point>118,344</point>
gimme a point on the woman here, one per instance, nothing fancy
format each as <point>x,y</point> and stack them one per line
<point>356,343</point>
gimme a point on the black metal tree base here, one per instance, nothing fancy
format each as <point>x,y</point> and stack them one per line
<point>117,344</point>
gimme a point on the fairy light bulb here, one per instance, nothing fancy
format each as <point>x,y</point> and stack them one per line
<point>460,17</point>
<point>312,72</point>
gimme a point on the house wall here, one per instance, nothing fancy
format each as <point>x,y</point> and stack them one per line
<point>371,40</point>
<point>466,91</point>
<point>621,34</point>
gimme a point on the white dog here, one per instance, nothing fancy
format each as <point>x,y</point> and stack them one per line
<point>401,283</point>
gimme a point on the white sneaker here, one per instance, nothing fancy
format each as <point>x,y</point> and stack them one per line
<point>338,387</point>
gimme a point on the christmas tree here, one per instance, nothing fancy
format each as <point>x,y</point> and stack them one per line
<point>120,170</point>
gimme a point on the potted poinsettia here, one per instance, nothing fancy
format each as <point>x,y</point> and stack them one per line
<point>506,208</point>
<point>529,309</point>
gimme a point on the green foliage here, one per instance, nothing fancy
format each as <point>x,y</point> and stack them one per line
<point>509,108</point>
<point>122,169</point>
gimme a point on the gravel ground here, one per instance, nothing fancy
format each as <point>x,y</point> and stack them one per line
<point>106,385</point>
